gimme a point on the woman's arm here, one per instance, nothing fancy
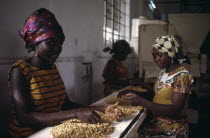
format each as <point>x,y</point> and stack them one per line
<point>170,110</point>
<point>67,105</point>
<point>25,114</point>
<point>179,97</point>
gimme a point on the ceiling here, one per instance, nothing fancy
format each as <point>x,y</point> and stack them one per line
<point>181,6</point>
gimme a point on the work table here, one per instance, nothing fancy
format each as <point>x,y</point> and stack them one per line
<point>125,128</point>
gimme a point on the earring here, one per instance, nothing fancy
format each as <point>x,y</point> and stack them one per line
<point>36,55</point>
<point>172,60</point>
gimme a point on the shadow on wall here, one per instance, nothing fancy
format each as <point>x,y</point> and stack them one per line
<point>13,50</point>
<point>5,102</point>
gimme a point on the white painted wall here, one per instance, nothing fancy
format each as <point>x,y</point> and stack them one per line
<point>193,29</point>
<point>82,22</point>
<point>13,14</point>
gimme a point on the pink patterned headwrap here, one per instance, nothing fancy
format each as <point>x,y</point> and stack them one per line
<point>41,25</point>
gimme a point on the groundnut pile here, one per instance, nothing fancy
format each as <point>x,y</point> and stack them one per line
<point>136,88</point>
<point>74,128</point>
<point>104,118</point>
<point>125,107</point>
<point>129,110</point>
<point>114,100</point>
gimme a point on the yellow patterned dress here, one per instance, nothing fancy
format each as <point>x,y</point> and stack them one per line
<point>47,94</point>
<point>180,81</point>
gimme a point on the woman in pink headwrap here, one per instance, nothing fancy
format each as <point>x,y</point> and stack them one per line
<point>37,90</point>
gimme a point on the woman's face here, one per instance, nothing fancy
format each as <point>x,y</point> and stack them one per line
<point>49,49</point>
<point>122,54</point>
<point>162,60</point>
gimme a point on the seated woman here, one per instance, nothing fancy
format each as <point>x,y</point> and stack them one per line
<point>37,90</point>
<point>115,74</point>
<point>172,89</point>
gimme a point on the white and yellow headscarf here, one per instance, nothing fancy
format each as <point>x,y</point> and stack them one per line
<point>168,45</point>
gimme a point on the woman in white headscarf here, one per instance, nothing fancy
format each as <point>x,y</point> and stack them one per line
<point>172,89</point>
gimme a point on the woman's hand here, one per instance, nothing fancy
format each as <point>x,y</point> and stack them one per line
<point>122,93</point>
<point>113,111</point>
<point>88,116</point>
<point>133,99</point>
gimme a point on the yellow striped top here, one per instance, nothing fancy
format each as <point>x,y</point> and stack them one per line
<point>47,94</point>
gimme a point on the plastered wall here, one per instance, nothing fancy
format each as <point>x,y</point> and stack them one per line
<point>193,28</point>
<point>82,22</point>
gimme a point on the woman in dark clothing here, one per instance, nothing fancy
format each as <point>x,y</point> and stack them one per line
<point>115,74</point>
